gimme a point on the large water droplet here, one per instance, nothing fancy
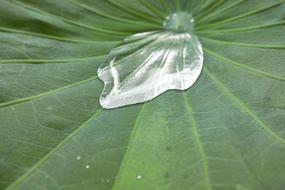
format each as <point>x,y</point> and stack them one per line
<point>147,64</point>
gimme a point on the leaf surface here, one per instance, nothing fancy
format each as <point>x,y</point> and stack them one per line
<point>226,132</point>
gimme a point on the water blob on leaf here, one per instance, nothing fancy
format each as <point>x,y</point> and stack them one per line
<point>147,64</point>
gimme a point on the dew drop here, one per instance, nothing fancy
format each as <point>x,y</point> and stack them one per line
<point>78,157</point>
<point>108,180</point>
<point>87,166</point>
<point>139,177</point>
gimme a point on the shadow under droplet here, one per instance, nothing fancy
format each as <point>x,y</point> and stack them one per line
<point>168,148</point>
<point>166,175</point>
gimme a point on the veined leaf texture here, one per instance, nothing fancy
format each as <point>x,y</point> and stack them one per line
<point>225,132</point>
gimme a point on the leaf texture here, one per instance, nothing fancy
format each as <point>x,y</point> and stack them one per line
<point>226,132</point>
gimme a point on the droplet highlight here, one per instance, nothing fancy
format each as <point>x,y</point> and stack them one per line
<point>179,22</point>
<point>139,177</point>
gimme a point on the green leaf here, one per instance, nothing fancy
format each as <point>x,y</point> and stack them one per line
<point>226,132</point>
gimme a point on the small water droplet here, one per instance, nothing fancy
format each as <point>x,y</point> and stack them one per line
<point>46,176</point>
<point>139,177</point>
<point>78,157</point>
<point>87,166</point>
<point>107,180</point>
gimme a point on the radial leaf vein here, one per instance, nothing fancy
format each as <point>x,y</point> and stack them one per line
<point>242,66</point>
<point>198,141</point>
<point>242,44</point>
<point>152,8</point>
<point>251,13</point>
<point>42,161</point>
<point>129,148</point>
<point>94,10</point>
<point>220,11</point>
<point>137,14</point>
<point>30,98</point>
<point>35,61</point>
<point>209,8</point>
<point>92,28</point>
<point>46,36</point>
<point>242,107</point>
<point>242,29</point>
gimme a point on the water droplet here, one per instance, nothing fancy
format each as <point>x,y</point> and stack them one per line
<point>78,157</point>
<point>108,180</point>
<point>139,177</point>
<point>167,60</point>
<point>148,64</point>
<point>87,166</point>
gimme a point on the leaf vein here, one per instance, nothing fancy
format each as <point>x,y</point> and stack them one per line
<point>52,152</point>
<point>198,141</point>
<point>242,107</point>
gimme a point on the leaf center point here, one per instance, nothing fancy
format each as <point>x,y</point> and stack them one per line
<point>179,22</point>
